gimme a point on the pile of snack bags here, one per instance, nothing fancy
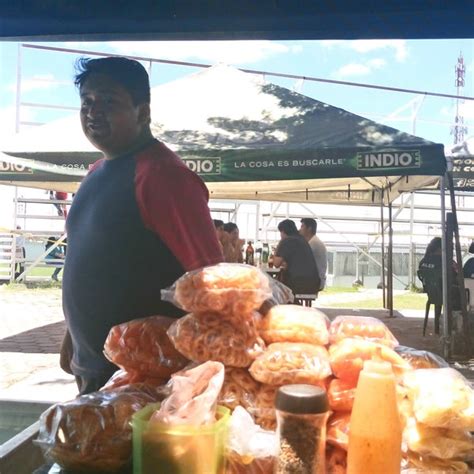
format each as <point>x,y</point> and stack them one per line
<point>262,346</point>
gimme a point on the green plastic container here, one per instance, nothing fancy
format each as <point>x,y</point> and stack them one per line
<point>160,449</point>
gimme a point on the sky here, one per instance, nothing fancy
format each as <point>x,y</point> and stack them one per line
<point>426,65</point>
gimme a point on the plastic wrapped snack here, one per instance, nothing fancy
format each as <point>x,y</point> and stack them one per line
<point>435,465</point>
<point>215,339</point>
<point>122,378</point>
<point>228,288</point>
<point>338,430</point>
<point>341,395</point>
<point>93,431</point>
<point>363,327</point>
<point>289,362</point>
<point>421,359</point>
<point>292,323</point>
<point>348,356</point>
<point>250,450</point>
<point>264,409</point>
<point>441,398</point>
<point>336,460</point>
<point>438,442</point>
<point>239,389</point>
<point>142,346</point>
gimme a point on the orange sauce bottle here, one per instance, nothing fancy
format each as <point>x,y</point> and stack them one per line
<point>375,436</point>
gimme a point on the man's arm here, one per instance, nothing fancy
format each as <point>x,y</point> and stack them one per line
<point>174,204</point>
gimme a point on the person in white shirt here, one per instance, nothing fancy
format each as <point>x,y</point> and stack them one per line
<point>308,231</point>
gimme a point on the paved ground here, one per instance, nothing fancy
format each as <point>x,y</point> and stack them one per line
<point>32,327</point>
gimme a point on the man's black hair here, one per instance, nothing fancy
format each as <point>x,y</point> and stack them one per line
<point>288,227</point>
<point>310,223</point>
<point>433,246</point>
<point>130,74</point>
<point>230,226</point>
<point>218,223</point>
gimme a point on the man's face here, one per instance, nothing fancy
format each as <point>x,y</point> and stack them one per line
<point>304,231</point>
<point>110,120</point>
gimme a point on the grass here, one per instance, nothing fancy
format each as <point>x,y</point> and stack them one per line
<point>340,289</point>
<point>406,301</point>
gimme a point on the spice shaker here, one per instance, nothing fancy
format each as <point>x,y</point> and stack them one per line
<point>302,412</point>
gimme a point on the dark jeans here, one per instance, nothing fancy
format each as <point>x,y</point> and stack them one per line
<point>92,384</point>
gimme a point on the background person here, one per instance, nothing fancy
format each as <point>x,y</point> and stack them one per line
<point>308,231</point>
<point>139,220</point>
<point>56,254</point>
<point>232,244</point>
<point>468,267</point>
<point>294,256</point>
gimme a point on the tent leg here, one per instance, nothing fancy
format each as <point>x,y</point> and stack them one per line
<point>390,262</point>
<point>382,230</point>
<point>445,339</point>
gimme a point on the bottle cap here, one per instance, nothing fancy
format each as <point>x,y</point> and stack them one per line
<point>301,399</point>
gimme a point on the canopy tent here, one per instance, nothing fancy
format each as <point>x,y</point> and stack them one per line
<point>234,19</point>
<point>462,156</point>
<point>248,139</point>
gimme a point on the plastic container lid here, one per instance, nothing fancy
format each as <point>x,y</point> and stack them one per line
<point>302,399</point>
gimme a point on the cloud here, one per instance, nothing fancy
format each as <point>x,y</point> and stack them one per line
<point>37,82</point>
<point>360,69</point>
<point>229,52</point>
<point>398,47</point>
<point>8,120</point>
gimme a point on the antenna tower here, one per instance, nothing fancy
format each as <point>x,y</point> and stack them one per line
<point>459,129</point>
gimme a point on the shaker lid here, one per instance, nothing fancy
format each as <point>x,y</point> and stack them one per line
<point>301,399</point>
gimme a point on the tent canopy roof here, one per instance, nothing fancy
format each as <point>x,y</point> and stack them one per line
<point>249,139</point>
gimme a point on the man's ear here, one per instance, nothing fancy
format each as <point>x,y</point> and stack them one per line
<point>144,114</point>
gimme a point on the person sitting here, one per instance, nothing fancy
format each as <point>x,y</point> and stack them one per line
<point>54,257</point>
<point>232,244</point>
<point>468,267</point>
<point>295,258</point>
<point>219,226</point>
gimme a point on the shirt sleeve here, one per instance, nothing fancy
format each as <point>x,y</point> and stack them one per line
<point>173,203</point>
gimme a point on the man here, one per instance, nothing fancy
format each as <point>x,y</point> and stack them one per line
<point>308,231</point>
<point>138,222</point>
<point>293,255</point>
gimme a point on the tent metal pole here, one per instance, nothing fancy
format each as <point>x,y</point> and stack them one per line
<point>446,344</point>
<point>390,261</point>
<point>257,221</point>
<point>411,260</point>
<point>382,231</point>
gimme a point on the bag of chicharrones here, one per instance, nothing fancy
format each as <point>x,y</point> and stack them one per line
<point>92,432</point>
<point>419,359</point>
<point>230,289</point>
<point>442,398</point>
<point>239,388</point>
<point>292,323</point>
<point>362,327</point>
<point>212,338</point>
<point>143,346</point>
<point>250,449</point>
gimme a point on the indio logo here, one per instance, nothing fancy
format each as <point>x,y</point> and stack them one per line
<point>389,159</point>
<point>10,168</point>
<point>203,165</point>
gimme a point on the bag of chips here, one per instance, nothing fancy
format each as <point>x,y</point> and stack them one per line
<point>341,395</point>
<point>338,430</point>
<point>348,356</point>
<point>122,378</point>
<point>93,432</point>
<point>362,327</point>
<point>290,362</point>
<point>292,323</point>
<point>215,339</point>
<point>142,346</point>
<point>231,289</point>
<point>239,389</point>
<point>421,359</point>
<point>336,460</point>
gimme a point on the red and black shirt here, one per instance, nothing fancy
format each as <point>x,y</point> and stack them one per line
<point>137,223</point>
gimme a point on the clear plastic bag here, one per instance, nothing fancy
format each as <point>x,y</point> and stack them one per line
<point>193,397</point>
<point>432,465</point>
<point>292,323</point>
<point>122,378</point>
<point>362,327</point>
<point>438,442</point>
<point>143,346</point>
<point>227,288</point>
<point>290,362</point>
<point>93,431</point>
<point>336,460</point>
<point>441,398</point>
<point>338,430</point>
<point>264,408</point>
<point>250,449</point>
<point>215,339</point>
<point>348,356</point>
<point>341,395</point>
<point>239,389</point>
<point>421,359</point>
